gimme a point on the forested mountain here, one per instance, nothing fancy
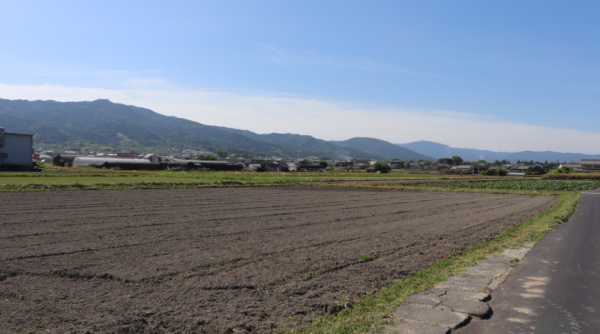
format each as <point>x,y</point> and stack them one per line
<point>102,125</point>
<point>384,148</point>
<point>438,151</point>
<point>309,143</point>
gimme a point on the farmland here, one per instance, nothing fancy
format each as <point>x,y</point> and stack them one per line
<point>217,260</point>
<point>520,185</point>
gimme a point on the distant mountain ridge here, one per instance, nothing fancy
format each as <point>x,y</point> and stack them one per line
<point>383,148</point>
<point>307,143</point>
<point>438,151</point>
<point>102,124</point>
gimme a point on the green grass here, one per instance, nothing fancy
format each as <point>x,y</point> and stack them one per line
<point>573,176</point>
<point>91,176</point>
<point>372,312</point>
<point>528,185</point>
<point>366,258</point>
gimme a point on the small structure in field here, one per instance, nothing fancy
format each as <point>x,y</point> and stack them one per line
<point>361,163</point>
<point>462,168</point>
<point>65,160</point>
<point>16,150</point>
<point>153,158</point>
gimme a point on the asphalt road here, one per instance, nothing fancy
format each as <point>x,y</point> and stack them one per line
<point>555,289</point>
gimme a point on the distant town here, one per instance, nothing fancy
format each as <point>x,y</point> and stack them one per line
<point>220,160</point>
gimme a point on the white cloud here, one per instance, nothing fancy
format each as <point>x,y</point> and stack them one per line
<point>331,120</point>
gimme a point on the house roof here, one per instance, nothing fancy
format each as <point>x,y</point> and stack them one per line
<point>469,167</point>
<point>18,134</point>
<point>590,161</point>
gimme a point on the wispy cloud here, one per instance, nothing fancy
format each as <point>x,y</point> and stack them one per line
<point>331,120</point>
<point>282,57</point>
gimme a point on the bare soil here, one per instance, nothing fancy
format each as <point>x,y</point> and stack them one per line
<point>227,260</point>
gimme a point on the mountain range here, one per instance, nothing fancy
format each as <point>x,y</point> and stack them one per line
<point>438,151</point>
<point>105,126</point>
<point>102,125</point>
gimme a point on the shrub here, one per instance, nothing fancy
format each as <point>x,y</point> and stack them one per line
<point>382,167</point>
<point>565,170</point>
<point>491,172</point>
<point>502,172</point>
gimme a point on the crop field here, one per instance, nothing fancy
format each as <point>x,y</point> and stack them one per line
<point>94,179</point>
<point>225,260</point>
<point>521,185</point>
<point>60,179</point>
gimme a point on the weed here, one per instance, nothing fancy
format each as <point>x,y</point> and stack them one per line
<point>366,258</point>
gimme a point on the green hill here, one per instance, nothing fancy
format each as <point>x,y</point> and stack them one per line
<point>383,148</point>
<point>309,143</point>
<point>104,125</point>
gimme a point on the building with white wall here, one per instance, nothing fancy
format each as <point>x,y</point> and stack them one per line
<point>16,150</point>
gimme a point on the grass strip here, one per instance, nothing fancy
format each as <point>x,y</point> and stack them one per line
<point>43,175</point>
<point>578,176</point>
<point>372,312</point>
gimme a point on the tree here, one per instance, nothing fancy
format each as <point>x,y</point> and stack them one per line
<point>323,163</point>
<point>206,157</point>
<point>502,172</point>
<point>491,172</point>
<point>382,167</point>
<point>457,160</point>
<point>448,161</point>
<point>497,163</point>
<point>221,153</point>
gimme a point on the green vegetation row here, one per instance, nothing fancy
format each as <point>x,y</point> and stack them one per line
<point>579,176</point>
<point>520,185</point>
<point>371,313</point>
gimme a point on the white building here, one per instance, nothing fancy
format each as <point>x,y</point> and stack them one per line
<point>16,150</point>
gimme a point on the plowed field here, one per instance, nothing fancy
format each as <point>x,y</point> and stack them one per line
<point>223,260</point>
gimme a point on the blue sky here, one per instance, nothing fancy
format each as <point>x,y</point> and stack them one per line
<point>469,68</point>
